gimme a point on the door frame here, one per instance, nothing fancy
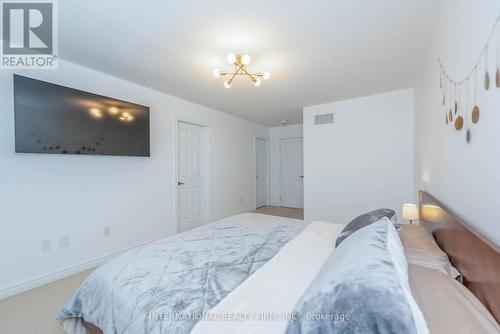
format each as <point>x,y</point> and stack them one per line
<point>268,169</point>
<point>279,159</point>
<point>207,168</point>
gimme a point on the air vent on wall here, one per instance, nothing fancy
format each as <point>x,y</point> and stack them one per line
<point>323,119</point>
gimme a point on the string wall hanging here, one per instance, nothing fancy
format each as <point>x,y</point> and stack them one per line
<point>464,114</point>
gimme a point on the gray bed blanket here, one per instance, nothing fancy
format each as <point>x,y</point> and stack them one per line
<point>164,287</point>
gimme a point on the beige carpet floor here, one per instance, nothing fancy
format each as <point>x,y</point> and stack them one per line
<point>281,211</point>
<point>34,311</point>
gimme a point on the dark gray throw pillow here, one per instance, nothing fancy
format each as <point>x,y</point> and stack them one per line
<point>364,220</point>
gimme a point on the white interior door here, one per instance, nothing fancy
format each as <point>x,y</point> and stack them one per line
<point>260,172</point>
<point>292,172</point>
<point>190,173</point>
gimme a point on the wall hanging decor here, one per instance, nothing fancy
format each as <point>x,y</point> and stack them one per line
<point>456,112</point>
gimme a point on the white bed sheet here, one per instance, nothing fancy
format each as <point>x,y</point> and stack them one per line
<point>273,291</point>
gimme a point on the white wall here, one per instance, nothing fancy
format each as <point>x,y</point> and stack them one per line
<point>46,196</point>
<point>275,135</point>
<point>363,161</point>
<point>466,177</point>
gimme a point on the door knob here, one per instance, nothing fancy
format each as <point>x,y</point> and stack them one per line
<point>179,183</point>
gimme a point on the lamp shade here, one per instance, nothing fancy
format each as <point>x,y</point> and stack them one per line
<point>410,212</point>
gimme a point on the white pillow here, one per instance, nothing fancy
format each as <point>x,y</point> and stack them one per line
<point>422,250</point>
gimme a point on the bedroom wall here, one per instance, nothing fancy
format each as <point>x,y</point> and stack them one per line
<point>46,196</point>
<point>463,176</point>
<point>363,161</point>
<point>275,135</point>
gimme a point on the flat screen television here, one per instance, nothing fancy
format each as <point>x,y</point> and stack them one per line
<point>59,120</point>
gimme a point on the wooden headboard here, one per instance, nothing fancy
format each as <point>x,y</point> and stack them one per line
<point>472,254</point>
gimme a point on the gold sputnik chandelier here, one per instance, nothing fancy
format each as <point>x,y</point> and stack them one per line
<point>240,62</point>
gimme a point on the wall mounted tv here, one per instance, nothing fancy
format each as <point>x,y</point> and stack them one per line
<point>59,120</point>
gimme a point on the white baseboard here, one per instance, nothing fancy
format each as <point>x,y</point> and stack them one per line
<point>234,214</point>
<point>36,282</point>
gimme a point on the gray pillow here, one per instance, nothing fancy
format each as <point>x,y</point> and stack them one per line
<point>362,288</point>
<point>364,220</point>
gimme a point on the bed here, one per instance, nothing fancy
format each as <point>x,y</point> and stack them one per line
<point>257,273</point>
<point>189,272</point>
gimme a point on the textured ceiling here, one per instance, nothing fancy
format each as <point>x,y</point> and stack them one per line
<point>317,51</point>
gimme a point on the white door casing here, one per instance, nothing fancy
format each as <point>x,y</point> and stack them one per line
<point>190,176</point>
<point>260,172</point>
<point>292,172</point>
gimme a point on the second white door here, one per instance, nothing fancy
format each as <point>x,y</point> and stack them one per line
<point>292,173</point>
<point>190,174</point>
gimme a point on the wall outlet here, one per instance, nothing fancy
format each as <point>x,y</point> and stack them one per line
<point>46,245</point>
<point>106,232</point>
<point>64,241</point>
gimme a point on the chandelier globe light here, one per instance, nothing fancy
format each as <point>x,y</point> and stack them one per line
<point>240,63</point>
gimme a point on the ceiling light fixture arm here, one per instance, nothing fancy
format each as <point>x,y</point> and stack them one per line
<point>242,67</point>
<point>234,74</point>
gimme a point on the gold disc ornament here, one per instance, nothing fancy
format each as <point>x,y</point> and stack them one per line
<point>450,116</point>
<point>475,114</point>
<point>459,123</point>
<point>498,77</point>
<point>486,81</point>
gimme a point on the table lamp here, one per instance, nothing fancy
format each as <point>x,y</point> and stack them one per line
<point>410,212</point>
